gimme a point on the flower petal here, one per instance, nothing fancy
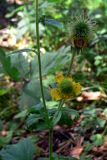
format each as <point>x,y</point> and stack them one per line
<point>55,93</point>
<point>77,88</point>
<point>59,77</point>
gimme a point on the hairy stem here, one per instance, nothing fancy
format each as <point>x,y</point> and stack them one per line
<point>71,63</point>
<point>39,62</point>
<point>41,84</point>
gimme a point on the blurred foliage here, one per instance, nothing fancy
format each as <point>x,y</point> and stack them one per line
<point>24,150</point>
<point>22,66</point>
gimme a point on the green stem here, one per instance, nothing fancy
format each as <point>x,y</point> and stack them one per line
<point>41,84</point>
<point>71,63</point>
<point>51,144</point>
<point>39,61</point>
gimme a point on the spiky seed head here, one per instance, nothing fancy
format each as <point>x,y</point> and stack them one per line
<point>80,29</point>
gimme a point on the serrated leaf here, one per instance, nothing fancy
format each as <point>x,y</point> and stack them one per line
<point>23,150</point>
<point>31,94</point>
<point>51,62</point>
<point>20,61</point>
<point>36,122</point>
<point>36,118</point>
<point>73,113</point>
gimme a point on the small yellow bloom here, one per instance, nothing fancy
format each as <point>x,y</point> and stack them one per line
<point>59,77</point>
<point>55,93</point>
<point>66,88</point>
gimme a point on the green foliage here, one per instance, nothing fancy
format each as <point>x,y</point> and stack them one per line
<point>3,91</point>
<point>68,116</point>
<point>101,64</point>
<point>7,139</point>
<point>7,106</point>
<point>35,120</point>
<point>89,68</point>
<point>56,157</point>
<point>9,69</point>
<point>91,119</point>
<point>51,62</point>
<point>97,139</point>
<point>92,5</point>
<point>23,150</point>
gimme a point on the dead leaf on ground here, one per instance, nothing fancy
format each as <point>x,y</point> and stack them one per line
<point>76,151</point>
<point>91,96</point>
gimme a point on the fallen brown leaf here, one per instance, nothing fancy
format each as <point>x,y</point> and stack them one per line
<point>91,96</point>
<point>76,152</point>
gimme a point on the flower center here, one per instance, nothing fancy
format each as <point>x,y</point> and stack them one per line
<point>66,86</point>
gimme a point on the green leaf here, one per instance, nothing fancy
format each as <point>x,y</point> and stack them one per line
<point>22,114</point>
<point>88,147</point>
<point>97,139</point>
<point>51,61</point>
<point>89,111</point>
<point>68,116</point>
<point>23,150</point>
<point>71,112</point>
<point>8,68</point>
<point>65,119</point>
<point>101,122</point>
<point>20,60</point>
<point>4,91</point>
<point>85,157</point>
<point>31,94</point>
<point>57,117</point>
<point>90,4</point>
<point>105,111</point>
<point>53,22</point>
<point>7,139</point>
<point>35,120</point>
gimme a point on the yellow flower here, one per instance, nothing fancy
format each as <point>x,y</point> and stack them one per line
<point>55,93</point>
<point>66,88</point>
<point>59,77</point>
